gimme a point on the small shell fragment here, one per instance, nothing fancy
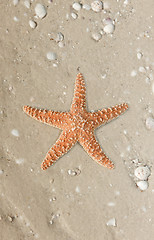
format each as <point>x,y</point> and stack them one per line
<point>97,6</point>
<point>109,28</point>
<point>61,44</point>
<point>19,161</point>
<point>74,15</point>
<point>75,172</point>
<point>96,36</point>
<point>150,123</point>
<point>27,4</point>
<point>51,56</point>
<point>107,21</point>
<point>143,185</point>
<point>86,7</point>
<point>111,222</point>
<point>76,6</point>
<point>111,204</point>
<point>133,73</point>
<point>106,5</point>
<point>15,132</point>
<point>32,24</point>
<point>77,189</point>
<point>60,37</point>
<point>15,2</point>
<point>142,173</point>
<point>53,199</point>
<point>40,10</point>
<point>126,2</point>
<point>139,55</point>
<point>16,19</point>
<point>10,218</point>
<point>135,161</point>
<point>142,69</point>
<point>1,171</point>
<point>71,172</point>
<point>51,180</point>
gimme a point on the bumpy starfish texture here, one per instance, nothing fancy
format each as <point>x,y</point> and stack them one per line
<point>78,125</point>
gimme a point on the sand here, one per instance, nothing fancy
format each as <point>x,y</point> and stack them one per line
<point>54,204</point>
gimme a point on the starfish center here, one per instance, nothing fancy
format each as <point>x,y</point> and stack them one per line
<point>79,121</point>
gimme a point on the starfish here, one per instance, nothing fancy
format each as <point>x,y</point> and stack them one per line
<point>77,125</point>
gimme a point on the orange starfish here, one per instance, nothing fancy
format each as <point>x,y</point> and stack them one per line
<point>78,125</point>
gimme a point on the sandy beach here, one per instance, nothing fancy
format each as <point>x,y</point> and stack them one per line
<point>42,48</point>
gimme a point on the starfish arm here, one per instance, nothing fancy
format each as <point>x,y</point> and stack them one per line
<point>92,147</point>
<point>64,143</point>
<point>105,115</point>
<point>79,99</point>
<point>56,119</point>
